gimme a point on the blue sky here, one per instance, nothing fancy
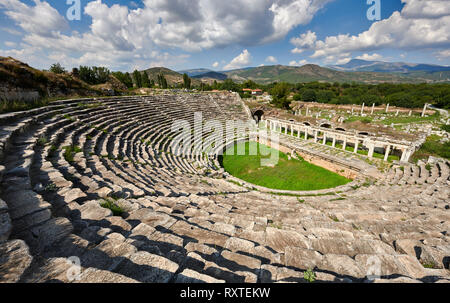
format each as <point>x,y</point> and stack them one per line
<point>220,35</point>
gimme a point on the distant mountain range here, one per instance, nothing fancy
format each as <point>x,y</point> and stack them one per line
<point>354,71</point>
<point>357,65</point>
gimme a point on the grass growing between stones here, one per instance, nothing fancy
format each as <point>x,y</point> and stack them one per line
<point>286,174</point>
<point>111,205</point>
<point>70,151</point>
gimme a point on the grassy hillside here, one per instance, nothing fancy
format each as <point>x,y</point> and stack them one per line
<point>172,77</point>
<point>311,72</point>
<point>18,75</point>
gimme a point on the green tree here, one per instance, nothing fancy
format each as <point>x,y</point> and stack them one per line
<point>186,81</point>
<point>279,94</point>
<point>145,80</point>
<point>309,95</point>
<point>94,75</point>
<point>325,96</point>
<point>57,69</point>
<point>125,78</point>
<point>162,82</point>
<point>137,79</point>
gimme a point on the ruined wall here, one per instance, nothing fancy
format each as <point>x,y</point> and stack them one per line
<point>17,94</point>
<point>328,164</point>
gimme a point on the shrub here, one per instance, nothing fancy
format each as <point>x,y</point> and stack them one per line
<point>70,152</point>
<point>51,187</point>
<point>42,141</point>
<point>111,205</point>
<point>57,69</point>
<point>309,276</point>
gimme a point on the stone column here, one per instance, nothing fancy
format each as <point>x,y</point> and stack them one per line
<point>396,114</point>
<point>324,138</point>
<point>362,109</point>
<point>373,109</point>
<point>424,110</point>
<point>388,150</point>
<point>292,130</point>
<point>402,159</point>
<point>285,129</point>
<point>410,113</point>
<point>387,108</point>
<point>371,150</point>
<point>306,132</point>
<point>315,136</point>
<point>356,146</point>
<point>345,143</point>
<point>352,110</point>
<point>407,155</point>
<point>334,141</point>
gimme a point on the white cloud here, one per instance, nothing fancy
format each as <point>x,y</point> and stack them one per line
<point>10,44</point>
<point>243,60</point>
<point>343,61</point>
<point>299,63</point>
<point>271,59</point>
<point>215,64</point>
<point>443,54</point>
<point>372,57</point>
<point>289,14</point>
<point>11,31</point>
<point>417,26</point>
<point>425,8</point>
<point>194,25</point>
<point>305,40</point>
<point>40,19</point>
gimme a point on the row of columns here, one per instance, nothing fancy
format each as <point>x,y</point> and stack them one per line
<point>299,112</point>
<point>278,126</point>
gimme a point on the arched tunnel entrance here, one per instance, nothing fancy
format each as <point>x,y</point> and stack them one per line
<point>258,115</point>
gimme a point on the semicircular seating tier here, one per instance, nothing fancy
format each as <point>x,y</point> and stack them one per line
<point>181,221</point>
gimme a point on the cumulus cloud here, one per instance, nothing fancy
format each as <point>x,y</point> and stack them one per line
<point>41,19</point>
<point>420,25</point>
<point>215,64</point>
<point>425,8</point>
<point>122,30</point>
<point>271,59</point>
<point>372,57</point>
<point>305,41</point>
<point>243,60</point>
<point>298,63</point>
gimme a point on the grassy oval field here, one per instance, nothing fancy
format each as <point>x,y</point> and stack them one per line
<point>286,174</point>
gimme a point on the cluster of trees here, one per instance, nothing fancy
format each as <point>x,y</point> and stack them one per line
<point>92,75</point>
<point>125,78</point>
<point>402,95</point>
